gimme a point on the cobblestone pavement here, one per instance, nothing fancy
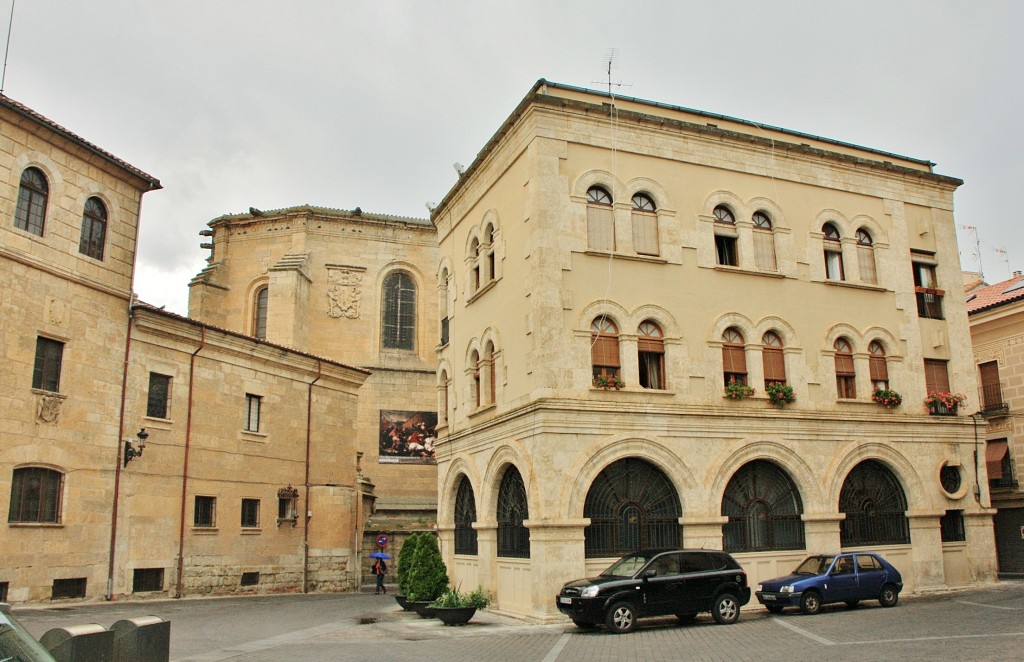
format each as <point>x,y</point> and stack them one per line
<point>986,624</point>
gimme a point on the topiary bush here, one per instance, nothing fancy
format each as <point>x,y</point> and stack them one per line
<point>405,555</point>
<point>427,576</point>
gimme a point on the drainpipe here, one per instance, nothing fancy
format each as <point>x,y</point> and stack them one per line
<point>977,464</point>
<point>309,506</point>
<point>117,465</point>
<point>184,470</point>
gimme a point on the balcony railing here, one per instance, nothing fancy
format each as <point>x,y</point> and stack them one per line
<point>992,403</point>
<point>929,303</point>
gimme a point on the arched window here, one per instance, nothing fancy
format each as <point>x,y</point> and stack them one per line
<point>650,345</point>
<point>36,495</point>
<point>764,242</point>
<point>764,509</point>
<point>474,366</point>
<point>398,321</point>
<point>443,399</point>
<point>734,358</point>
<point>772,359</point>
<point>631,505</point>
<point>600,220</point>
<point>846,375</point>
<point>725,236</point>
<point>513,536</point>
<point>94,229</point>
<point>465,515</point>
<point>866,257</point>
<point>877,365</point>
<point>442,301</point>
<point>259,317</point>
<point>875,507</point>
<point>489,246</point>
<point>833,253</point>
<point>33,192</point>
<point>604,347</point>
<point>645,225</point>
<point>474,252</point>
<point>489,364</point>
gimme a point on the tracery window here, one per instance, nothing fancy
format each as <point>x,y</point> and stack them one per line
<point>631,505</point>
<point>398,321</point>
<point>734,358</point>
<point>33,192</point>
<point>764,242</point>
<point>875,507</point>
<point>513,510</point>
<point>651,355</point>
<point>465,516</point>
<point>604,347</point>
<point>94,229</point>
<point>645,225</point>
<point>846,374</point>
<point>764,509</point>
<point>600,220</point>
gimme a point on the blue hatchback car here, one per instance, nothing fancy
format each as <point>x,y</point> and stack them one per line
<point>828,578</point>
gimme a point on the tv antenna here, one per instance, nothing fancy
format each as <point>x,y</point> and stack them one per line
<point>7,47</point>
<point>1002,253</point>
<point>611,58</point>
<point>977,248</point>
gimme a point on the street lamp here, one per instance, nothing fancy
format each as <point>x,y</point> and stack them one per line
<point>130,453</point>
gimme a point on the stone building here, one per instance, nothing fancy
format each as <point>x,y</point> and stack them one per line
<point>614,272</point>
<point>355,287</point>
<point>248,479</point>
<point>996,314</point>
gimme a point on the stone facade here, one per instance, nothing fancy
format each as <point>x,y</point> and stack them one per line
<point>533,260</point>
<point>997,330</point>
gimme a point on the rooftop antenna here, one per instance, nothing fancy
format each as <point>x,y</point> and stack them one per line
<point>7,47</point>
<point>977,248</point>
<point>611,58</point>
<point>1001,252</point>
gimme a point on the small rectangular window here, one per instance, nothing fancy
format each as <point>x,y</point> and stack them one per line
<point>929,298</point>
<point>952,526</point>
<point>991,390</point>
<point>726,249</point>
<point>252,412</point>
<point>205,512</point>
<point>68,588</point>
<point>49,356</point>
<point>250,513</point>
<point>145,580</point>
<point>158,402</point>
<point>645,233</point>
<point>600,228</point>
<point>250,579</point>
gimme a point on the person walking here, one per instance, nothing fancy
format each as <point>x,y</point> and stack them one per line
<point>379,569</point>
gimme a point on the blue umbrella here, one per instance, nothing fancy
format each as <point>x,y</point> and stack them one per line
<point>380,555</point>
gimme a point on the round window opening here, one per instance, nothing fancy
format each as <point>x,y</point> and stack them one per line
<point>949,478</point>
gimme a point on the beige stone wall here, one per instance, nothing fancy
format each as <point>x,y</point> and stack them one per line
<point>560,432</point>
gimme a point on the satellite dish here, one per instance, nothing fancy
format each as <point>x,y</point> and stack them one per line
<point>431,206</point>
<point>459,168</point>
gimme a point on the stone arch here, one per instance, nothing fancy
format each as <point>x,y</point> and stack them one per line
<point>780,326</point>
<point>649,187</point>
<point>450,486</point>
<point>726,198</point>
<point>607,450</point>
<point>877,232</point>
<point>605,307</point>
<point>856,452</point>
<point>744,451</point>
<point>601,178</point>
<point>738,320</point>
<point>884,336</point>
<point>770,208</point>
<point>505,455</point>
<point>838,219</point>
<point>661,316</point>
<point>835,331</point>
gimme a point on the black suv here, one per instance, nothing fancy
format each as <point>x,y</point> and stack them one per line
<point>657,582</point>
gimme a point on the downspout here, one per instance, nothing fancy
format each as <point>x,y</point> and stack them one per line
<point>977,466</point>
<point>309,509</point>
<point>117,466</point>
<point>184,470</point>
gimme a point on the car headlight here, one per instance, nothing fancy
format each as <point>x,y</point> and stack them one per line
<point>786,589</point>
<point>589,592</point>
<point>759,588</point>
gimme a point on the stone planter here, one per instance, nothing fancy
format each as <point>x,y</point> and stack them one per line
<point>454,615</point>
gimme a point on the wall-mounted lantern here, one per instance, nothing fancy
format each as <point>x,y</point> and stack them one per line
<point>130,452</point>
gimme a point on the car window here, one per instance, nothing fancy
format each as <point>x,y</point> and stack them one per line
<point>865,562</point>
<point>694,562</point>
<point>665,565</point>
<point>814,565</point>
<point>17,644</point>
<point>843,566</point>
<point>627,566</point>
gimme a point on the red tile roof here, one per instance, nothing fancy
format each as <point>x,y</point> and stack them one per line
<point>996,295</point>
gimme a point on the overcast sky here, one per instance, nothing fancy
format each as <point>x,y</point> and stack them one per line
<point>368,103</point>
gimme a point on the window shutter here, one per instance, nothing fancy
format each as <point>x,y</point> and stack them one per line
<point>866,257</point>
<point>989,374</point>
<point>936,378</point>
<point>844,365</point>
<point>764,250</point>
<point>878,368</point>
<point>734,359</point>
<point>600,228</point>
<point>645,233</point>
<point>605,351</point>
<point>650,345</point>
<point>774,365</point>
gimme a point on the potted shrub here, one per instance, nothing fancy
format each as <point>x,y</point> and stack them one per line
<point>780,394</point>
<point>887,398</point>
<point>456,608</point>
<point>940,403</point>
<point>427,576</point>
<point>405,555</point>
<point>735,390</point>
<point>607,382</point>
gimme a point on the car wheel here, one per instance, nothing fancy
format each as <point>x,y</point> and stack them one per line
<point>686,618</point>
<point>775,609</point>
<point>621,618</point>
<point>889,596</point>
<point>810,603</point>
<point>583,625</point>
<point>852,604</point>
<point>726,609</point>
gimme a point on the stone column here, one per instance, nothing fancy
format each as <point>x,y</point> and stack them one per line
<point>821,531</point>
<point>926,550</point>
<point>703,532</point>
<point>487,553</point>
<point>979,531</point>
<point>556,556</point>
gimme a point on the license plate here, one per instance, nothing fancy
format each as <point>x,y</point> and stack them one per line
<point>564,600</point>
<point>767,598</point>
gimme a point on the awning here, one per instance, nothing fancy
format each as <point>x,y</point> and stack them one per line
<point>995,451</point>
